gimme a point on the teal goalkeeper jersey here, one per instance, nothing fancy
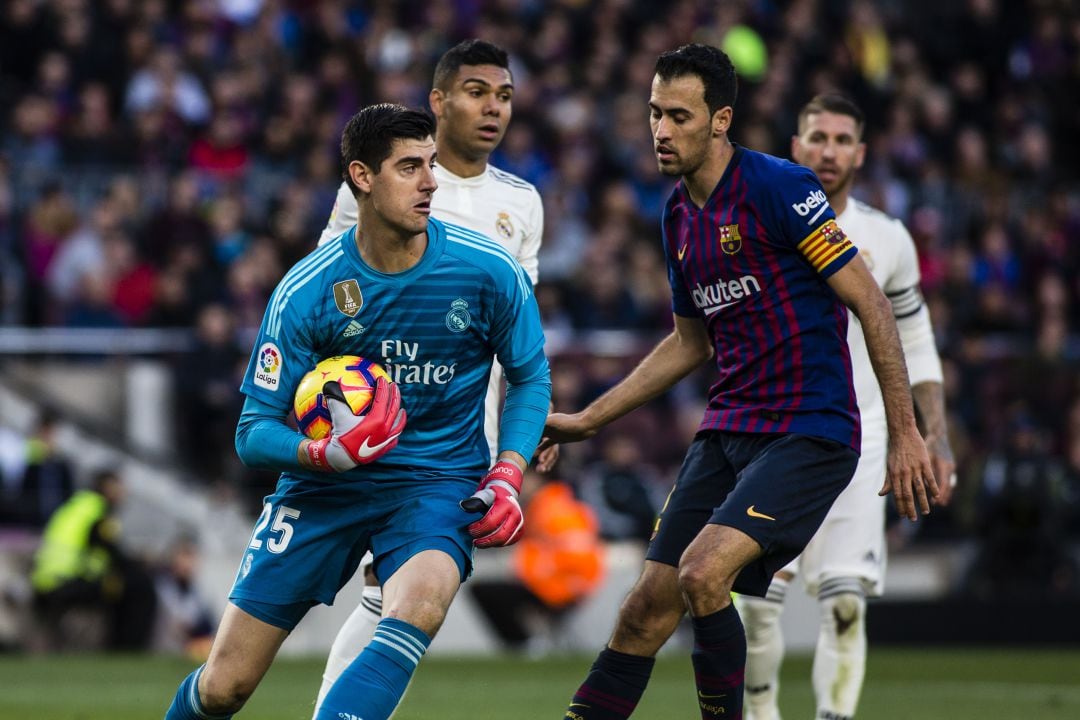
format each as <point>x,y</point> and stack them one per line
<point>434,327</point>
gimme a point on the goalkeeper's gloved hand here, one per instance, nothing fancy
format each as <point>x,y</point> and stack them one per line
<point>358,439</point>
<point>496,497</point>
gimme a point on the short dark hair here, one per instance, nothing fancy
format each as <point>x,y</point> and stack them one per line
<point>710,64</point>
<point>103,477</point>
<point>832,103</point>
<point>468,52</point>
<point>370,134</point>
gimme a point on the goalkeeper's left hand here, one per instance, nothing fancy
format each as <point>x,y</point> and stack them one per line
<point>497,498</point>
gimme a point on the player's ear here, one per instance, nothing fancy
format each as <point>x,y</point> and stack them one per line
<point>361,175</point>
<point>435,101</point>
<point>795,149</point>
<point>860,155</point>
<point>721,121</point>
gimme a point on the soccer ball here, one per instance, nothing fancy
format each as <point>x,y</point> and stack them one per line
<point>357,378</point>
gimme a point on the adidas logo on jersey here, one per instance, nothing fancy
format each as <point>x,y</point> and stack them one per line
<point>721,294</point>
<point>353,329</point>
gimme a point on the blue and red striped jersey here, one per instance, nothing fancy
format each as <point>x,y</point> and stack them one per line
<point>752,264</point>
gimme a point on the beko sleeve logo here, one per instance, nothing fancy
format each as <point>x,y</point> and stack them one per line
<point>813,200</point>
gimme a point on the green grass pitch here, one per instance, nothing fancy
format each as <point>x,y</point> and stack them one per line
<point>928,684</point>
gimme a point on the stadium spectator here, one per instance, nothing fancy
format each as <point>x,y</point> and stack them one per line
<point>184,623</point>
<point>80,565</point>
<point>37,480</point>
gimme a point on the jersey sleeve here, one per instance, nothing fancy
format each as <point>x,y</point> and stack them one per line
<point>529,253</point>
<point>282,354</point>
<point>912,316</point>
<point>803,219</point>
<point>342,217</point>
<point>516,332</point>
<point>906,274</point>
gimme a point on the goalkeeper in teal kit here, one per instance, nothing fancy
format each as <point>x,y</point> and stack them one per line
<point>433,303</point>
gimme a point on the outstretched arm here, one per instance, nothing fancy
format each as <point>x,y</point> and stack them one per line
<point>686,348</point>
<point>909,474</point>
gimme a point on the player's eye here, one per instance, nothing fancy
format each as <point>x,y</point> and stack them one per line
<point>504,97</point>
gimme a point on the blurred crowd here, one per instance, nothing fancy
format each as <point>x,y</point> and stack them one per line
<point>163,162</point>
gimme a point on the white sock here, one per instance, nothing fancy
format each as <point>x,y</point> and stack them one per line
<point>764,651</point>
<point>353,637</point>
<point>840,658</point>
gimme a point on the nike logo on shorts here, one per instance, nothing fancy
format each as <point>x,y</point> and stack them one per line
<point>755,514</point>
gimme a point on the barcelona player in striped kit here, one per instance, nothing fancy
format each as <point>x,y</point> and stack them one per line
<point>760,276</point>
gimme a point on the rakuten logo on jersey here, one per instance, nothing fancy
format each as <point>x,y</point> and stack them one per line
<point>724,293</point>
<point>400,360</point>
<point>812,201</point>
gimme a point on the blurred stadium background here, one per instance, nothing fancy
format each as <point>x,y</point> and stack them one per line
<point>163,162</point>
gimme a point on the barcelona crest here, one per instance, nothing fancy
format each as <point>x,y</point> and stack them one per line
<point>730,240</point>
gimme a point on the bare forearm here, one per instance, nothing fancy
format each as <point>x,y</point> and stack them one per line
<point>930,402</point>
<point>669,362</point>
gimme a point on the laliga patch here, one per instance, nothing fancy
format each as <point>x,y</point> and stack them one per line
<point>268,367</point>
<point>347,297</point>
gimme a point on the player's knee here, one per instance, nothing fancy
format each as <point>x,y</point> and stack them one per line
<point>425,613</point>
<point>699,583</point>
<point>844,616</point>
<point>222,694</point>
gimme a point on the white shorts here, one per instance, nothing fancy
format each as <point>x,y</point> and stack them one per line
<point>851,541</point>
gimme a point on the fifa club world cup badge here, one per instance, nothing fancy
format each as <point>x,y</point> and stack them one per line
<point>458,319</point>
<point>730,240</point>
<point>347,297</point>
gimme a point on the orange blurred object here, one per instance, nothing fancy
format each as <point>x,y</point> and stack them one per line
<point>560,559</point>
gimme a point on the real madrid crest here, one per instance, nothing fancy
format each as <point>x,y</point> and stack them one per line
<point>347,297</point>
<point>458,319</point>
<point>730,240</point>
<point>503,226</point>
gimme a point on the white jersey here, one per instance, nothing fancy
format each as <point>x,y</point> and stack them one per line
<point>851,541</point>
<point>888,250</point>
<point>494,203</point>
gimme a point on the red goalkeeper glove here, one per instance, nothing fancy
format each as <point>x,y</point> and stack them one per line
<point>358,439</point>
<point>496,497</point>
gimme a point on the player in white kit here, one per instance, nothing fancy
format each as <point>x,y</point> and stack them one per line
<point>471,99</point>
<point>845,562</point>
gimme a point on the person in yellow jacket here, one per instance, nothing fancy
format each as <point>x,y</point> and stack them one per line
<point>80,564</point>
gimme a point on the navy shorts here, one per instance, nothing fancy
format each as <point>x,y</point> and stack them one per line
<point>311,537</point>
<point>776,488</point>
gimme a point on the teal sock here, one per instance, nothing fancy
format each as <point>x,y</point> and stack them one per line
<point>371,687</point>
<point>186,704</point>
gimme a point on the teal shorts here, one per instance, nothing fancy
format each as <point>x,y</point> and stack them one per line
<point>310,537</point>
